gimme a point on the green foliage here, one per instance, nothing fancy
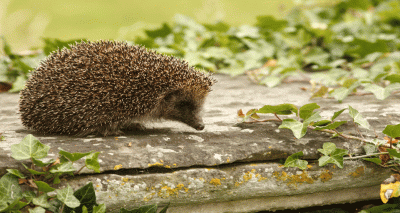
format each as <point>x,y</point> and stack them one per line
<point>41,183</point>
<point>53,44</point>
<point>30,147</point>
<point>281,109</point>
<point>294,161</point>
<point>299,129</point>
<point>353,45</point>
<point>308,115</point>
<point>392,131</point>
<point>331,154</point>
<point>357,118</point>
<point>309,119</point>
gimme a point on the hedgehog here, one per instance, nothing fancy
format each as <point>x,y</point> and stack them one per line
<point>108,87</point>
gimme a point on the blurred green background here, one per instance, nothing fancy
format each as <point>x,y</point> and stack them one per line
<point>25,22</point>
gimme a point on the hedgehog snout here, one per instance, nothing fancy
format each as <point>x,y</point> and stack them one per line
<point>200,126</point>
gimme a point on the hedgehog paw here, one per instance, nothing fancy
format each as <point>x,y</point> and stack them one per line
<point>134,127</point>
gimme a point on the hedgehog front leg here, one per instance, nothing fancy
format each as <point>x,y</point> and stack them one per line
<point>133,127</point>
<point>111,130</point>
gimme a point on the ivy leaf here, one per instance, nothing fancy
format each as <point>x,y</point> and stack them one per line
<point>18,84</point>
<point>281,109</point>
<point>392,131</point>
<point>34,172</point>
<point>357,117</point>
<point>363,47</point>
<point>394,78</point>
<point>269,23</point>
<point>327,148</point>
<point>337,113</point>
<point>29,195</point>
<point>100,208</point>
<point>294,161</point>
<point>41,163</point>
<point>53,44</point>
<point>298,128</point>
<point>66,195</point>
<point>86,196</point>
<point>340,93</point>
<point>331,126</point>
<point>73,156</point>
<point>10,191</point>
<point>30,147</point>
<point>323,90</point>
<point>161,32</point>
<point>332,155</point>
<point>380,92</point>
<point>44,187</point>
<point>37,209</point>
<point>63,168</point>
<point>322,123</point>
<point>164,210</point>
<point>271,81</point>
<point>92,162</point>
<point>41,201</point>
<point>307,110</point>
<point>374,160</point>
<point>393,153</point>
<point>6,47</point>
<point>16,172</point>
<point>313,118</point>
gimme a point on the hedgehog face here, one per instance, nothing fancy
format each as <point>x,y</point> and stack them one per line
<point>183,108</point>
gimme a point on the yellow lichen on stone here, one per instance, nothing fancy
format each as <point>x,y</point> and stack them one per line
<point>300,179</point>
<point>293,179</point>
<point>260,177</point>
<point>326,176</point>
<point>155,164</point>
<point>238,183</point>
<point>282,177</point>
<point>125,179</point>
<point>165,192</point>
<point>122,184</point>
<point>117,167</point>
<point>174,164</point>
<point>247,176</point>
<point>168,167</point>
<point>149,197</point>
<point>359,171</point>
<point>180,186</point>
<point>215,181</point>
<point>227,160</point>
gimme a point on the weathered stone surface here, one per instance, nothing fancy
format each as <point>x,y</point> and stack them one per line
<point>228,167</point>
